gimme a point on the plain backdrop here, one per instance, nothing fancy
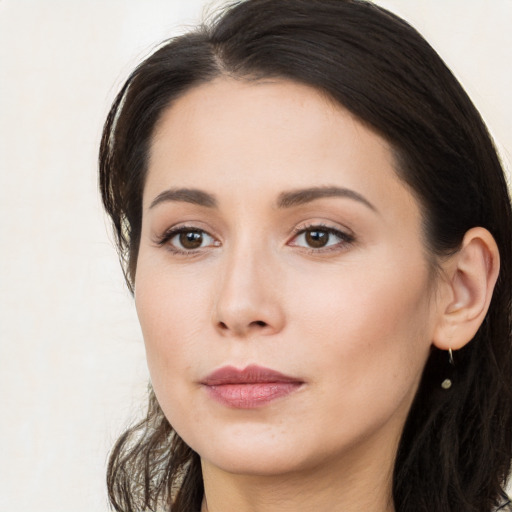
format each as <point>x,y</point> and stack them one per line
<point>72,369</point>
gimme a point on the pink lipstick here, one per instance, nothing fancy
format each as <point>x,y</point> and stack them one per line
<point>249,388</point>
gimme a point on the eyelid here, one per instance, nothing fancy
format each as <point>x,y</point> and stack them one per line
<point>173,231</point>
<point>345,236</point>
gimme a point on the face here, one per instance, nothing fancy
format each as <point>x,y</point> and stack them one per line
<point>282,284</point>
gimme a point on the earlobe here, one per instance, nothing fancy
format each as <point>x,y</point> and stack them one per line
<point>470,277</point>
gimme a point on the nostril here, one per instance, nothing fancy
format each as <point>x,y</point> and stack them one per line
<point>256,324</point>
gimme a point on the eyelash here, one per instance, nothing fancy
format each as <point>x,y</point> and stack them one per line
<point>345,239</point>
<point>168,235</point>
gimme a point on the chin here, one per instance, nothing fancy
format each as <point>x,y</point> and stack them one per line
<point>251,451</point>
<point>255,461</point>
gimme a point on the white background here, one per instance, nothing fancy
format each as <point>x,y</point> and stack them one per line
<point>72,369</point>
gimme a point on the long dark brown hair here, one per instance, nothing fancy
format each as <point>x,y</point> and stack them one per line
<point>455,450</point>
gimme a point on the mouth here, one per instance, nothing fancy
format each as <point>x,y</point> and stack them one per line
<point>251,387</point>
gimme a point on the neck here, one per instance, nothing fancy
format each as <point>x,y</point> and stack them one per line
<point>355,486</point>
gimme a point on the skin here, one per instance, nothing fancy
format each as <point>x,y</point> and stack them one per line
<point>353,321</point>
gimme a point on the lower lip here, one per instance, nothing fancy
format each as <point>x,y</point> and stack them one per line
<point>251,396</point>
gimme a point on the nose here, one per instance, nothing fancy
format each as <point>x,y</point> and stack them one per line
<point>249,295</point>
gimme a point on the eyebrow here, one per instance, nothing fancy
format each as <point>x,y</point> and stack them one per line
<point>306,195</point>
<point>285,199</point>
<point>186,195</point>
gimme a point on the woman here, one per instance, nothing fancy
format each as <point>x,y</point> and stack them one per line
<point>316,228</point>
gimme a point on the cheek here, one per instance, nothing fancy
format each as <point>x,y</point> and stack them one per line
<point>368,323</point>
<point>366,341</point>
<point>171,313</point>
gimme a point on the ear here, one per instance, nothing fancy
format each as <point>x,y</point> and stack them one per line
<point>466,290</point>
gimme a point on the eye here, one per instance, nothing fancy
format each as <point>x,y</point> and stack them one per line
<point>185,239</point>
<point>321,237</point>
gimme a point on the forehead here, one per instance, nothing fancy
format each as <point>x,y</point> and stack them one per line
<point>244,136</point>
<point>237,116</point>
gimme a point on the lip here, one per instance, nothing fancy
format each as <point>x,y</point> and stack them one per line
<point>248,388</point>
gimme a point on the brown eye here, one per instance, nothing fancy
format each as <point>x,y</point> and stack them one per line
<point>191,239</point>
<point>185,240</point>
<point>316,238</point>
<point>320,237</point>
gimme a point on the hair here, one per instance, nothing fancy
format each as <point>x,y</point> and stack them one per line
<point>455,450</point>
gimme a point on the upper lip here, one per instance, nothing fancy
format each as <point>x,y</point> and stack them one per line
<point>252,374</point>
